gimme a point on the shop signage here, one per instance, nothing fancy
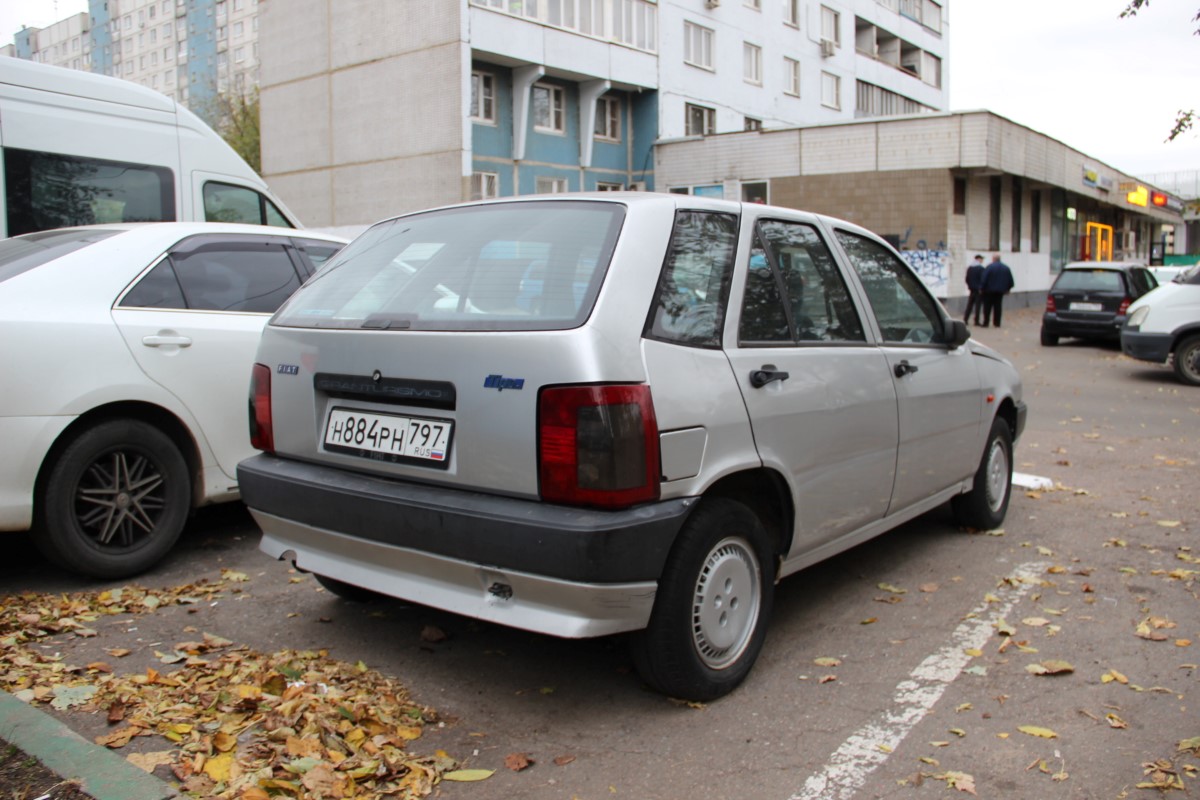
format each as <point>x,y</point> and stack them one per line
<point>1093,178</point>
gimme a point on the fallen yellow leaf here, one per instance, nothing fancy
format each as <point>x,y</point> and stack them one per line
<point>1034,730</point>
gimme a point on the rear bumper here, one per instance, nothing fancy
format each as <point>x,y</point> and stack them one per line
<point>1102,326</point>
<point>1154,347</point>
<point>552,569</point>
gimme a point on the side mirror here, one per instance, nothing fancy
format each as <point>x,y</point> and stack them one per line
<point>956,333</point>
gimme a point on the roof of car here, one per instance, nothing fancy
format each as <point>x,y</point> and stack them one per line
<point>1120,265</point>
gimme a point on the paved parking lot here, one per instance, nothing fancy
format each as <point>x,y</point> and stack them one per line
<point>899,669</point>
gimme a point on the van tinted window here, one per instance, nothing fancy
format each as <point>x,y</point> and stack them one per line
<point>47,190</point>
<point>224,202</point>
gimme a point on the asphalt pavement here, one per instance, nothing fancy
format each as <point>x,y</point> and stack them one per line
<point>1055,658</point>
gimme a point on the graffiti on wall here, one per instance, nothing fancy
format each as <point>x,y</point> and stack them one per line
<point>933,265</point>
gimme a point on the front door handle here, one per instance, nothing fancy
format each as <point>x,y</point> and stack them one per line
<point>903,368</point>
<point>164,339</point>
<point>761,377</point>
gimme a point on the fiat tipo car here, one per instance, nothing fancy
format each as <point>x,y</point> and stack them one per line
<point>610,413</point>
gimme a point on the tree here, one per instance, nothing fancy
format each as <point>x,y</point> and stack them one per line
<point>1185,118</point>
<point>236,118</point>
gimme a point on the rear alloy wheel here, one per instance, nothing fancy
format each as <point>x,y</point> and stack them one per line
<point>984,507</point>
<point>712,607</point>
<point>1049,339</point>
<point>115,500</point>
<point>1187,361</point>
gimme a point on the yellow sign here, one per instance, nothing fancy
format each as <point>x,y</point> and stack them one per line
<point>1139,197</point>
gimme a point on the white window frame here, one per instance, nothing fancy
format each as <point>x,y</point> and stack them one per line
<point>752,71</point>
<point>557,123</point>
<point>545,184</point>
<point>708,117</point>
<point>608,118</point>
<point>698,45</point>
<point>483,97</point>
<point>791,13</point>
<point>485,185</point>
<point>831,85</point>
<point>603,186</point>
<point>791,77</point>
<point>831,25</point>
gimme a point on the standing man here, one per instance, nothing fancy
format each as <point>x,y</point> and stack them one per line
<point>997,282</point>
<point>974,284</point>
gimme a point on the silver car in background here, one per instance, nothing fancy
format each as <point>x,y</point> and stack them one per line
<point>609,413</point>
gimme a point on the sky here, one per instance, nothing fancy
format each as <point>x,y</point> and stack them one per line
<point>1071,69</point>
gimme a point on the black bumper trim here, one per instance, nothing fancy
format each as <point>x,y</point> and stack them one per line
<point>1154,347</point>
<point>572,544</point>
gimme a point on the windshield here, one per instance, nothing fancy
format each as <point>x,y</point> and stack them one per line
<point>505,266</point>
<point>23,253</point>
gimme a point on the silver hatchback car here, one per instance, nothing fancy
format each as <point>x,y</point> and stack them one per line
<point>594,414</point>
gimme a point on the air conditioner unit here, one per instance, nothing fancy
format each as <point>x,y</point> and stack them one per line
<point>637,186</point>
<point>828,47</point>
<point>711,3</point>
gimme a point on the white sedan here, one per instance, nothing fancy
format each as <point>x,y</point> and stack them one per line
<point>126,362</point>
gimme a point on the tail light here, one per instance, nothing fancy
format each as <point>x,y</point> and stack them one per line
<point>262,432</point>
<point>1050,307</point>
<point>598,445</point>
<point>1124,307</point>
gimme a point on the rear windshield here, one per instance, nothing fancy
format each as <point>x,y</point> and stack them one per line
<point>510,266</point>
<point>23,253</point>
<point>1089,280</point>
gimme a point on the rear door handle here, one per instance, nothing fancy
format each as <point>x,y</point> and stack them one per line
<point>158,340</point>
<point>903,368</point>
<point>761,377</point>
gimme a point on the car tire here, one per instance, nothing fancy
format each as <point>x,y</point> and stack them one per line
<point>1049,339</point>
<point>346,591</point>
<point>984,507</point>
<point>1187,361</point>
<point>712,606</point>
<point>115,501</point>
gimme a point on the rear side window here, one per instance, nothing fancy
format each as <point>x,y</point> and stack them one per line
<point>689,307</point>
<point>224,202</point>
<point>1089,280</point>
<point>46,190</point>
<point>34,249</point>
<point>1143,281</point>
<point>247,279</point>
<point>509,266</point>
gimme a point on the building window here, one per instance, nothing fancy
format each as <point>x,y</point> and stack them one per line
<point>239,55</point>
<point>483,97</point>
<point>831,90</point>
<point>697,45</point>
<point>994,221</point>
<point>875,101</point>
<point>755,4</point>
<point>701,121</point>
<point>548,114</point>
<point>484,185</point>
<point>1016,215</point>
<point>755,192</point>
<point>752,63</point>
<point>608,118</point>
<point>551,186</point>
<point>960,196</point>
<point>752,124</point>
<point>791,77</point>
<point>610,187</point>
<point>831,26</point>
<point>791,12</point>
<point>1035,221</point>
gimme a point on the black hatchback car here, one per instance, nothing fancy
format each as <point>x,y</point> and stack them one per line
<point>1089,299</point>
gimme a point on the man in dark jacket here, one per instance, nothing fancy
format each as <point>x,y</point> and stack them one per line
<point>974,282</point>
<point>997,282</point>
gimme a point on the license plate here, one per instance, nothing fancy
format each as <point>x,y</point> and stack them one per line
<point>1087,307</point>
<point>389,437</point>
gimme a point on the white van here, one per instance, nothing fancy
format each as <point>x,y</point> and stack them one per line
<point>80,148</point>
<point>1165,323</point>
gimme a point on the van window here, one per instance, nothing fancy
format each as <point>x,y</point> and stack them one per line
<point>224,202</point>
<point>47,190</point>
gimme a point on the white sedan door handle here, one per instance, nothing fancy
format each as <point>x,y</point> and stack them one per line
<point>161,339</point>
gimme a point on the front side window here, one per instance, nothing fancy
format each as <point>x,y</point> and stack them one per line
<point>483,97</point>
<point>689,306</point>
<point>794,290</point>
<point>697,45</point>
<point>548,112</point>
<point>47,190</point>
<point>534,265</point>
<point>701,121</point>
<point>904,309</point>
<point>224,202</point>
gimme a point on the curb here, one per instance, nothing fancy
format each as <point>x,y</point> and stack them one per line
<point>103,774</point>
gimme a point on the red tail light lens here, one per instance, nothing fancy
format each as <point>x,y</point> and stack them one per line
<point>598,446</point>
<point>1050,307</point>
<point>1124,306</point>
<point>262,432</point>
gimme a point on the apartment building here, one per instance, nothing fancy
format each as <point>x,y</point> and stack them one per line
<point>370,109</point>
<point>190,50</point>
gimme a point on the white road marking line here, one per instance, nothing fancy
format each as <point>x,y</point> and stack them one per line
<point>1031,481</point>
<point>867,748</point>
